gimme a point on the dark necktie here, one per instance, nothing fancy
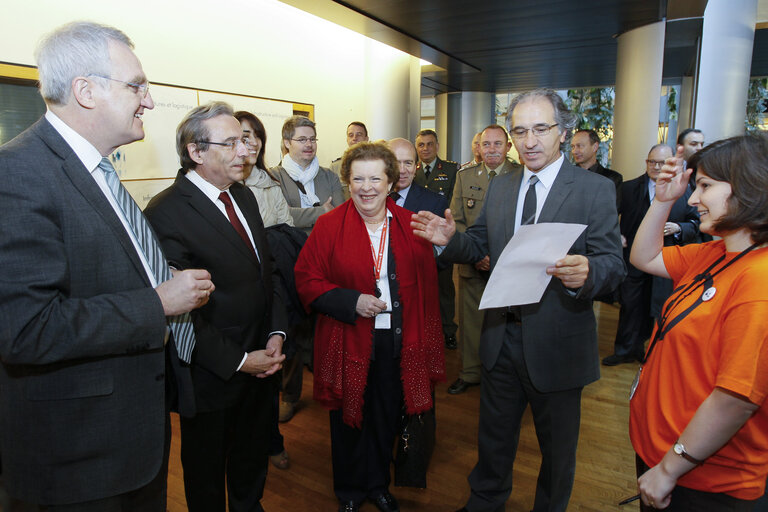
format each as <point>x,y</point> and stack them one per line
<point>235,221</point>
<point>491,174</point>
<point>529,204</point>
<point>181,325</point>
<point>426,171</point>
<point>395,196</point>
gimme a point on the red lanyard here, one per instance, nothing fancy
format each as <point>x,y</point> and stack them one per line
<point>380,257</point>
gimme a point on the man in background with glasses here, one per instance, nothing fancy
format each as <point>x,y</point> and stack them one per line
<point>310,191</point>
<point>208,218</point>
<point>87,299</point>
<point>541,354</point>
<point>639,290</point>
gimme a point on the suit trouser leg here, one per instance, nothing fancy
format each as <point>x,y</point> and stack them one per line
<point>470,327</point>
<point>502,403</point>
<point>635,322</point>
<point>447,300</point>
<point>362,457</point>
<point>231,442</point>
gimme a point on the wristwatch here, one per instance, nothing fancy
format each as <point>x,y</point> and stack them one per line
<point>679,449</point>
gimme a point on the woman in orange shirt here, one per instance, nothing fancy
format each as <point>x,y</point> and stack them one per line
<point>697,416</point>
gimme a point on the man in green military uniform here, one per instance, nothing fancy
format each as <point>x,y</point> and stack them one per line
<point>468,195</point>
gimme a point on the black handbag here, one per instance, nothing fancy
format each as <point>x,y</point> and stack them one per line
<point>415,445</point>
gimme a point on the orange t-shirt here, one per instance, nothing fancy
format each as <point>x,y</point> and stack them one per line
<point>722,343</point>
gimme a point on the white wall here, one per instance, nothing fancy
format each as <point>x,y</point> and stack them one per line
<point>254,47</point>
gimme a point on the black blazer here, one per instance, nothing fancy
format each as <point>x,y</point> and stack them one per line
<point>244,308</point>
<point>421,198</point>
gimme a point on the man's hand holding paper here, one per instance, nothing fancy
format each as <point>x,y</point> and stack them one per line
<point>532,256</point>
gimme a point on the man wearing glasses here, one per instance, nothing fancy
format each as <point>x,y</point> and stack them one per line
<point>541,354</point>
<point>639,290</point>
<point>87,300</point>
<point>208,219</point>
<point>309,189</point>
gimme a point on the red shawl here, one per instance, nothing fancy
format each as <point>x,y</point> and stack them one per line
<point>338,255</point>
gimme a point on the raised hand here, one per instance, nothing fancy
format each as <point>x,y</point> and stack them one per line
<point>673,178</point>
<point>433,228</point>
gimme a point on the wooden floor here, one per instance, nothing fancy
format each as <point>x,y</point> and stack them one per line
<point>605,460</point>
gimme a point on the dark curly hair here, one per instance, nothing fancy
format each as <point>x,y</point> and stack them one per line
<point>370,151</point>
<point>743,163</point>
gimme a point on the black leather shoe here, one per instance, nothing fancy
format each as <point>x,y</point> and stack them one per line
<point>348,506</point>
<point>386,502</point>
<point>614,360</point>
<point>459,386</point>
<point>450,343</point>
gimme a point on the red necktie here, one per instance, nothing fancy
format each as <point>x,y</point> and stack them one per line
<point>224,198</point>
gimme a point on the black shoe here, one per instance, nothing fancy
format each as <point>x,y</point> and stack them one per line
<point>450,342</point>
<point>385,502</point>
<point>348,506</point>
<point>615,359</point>
<point>459,386</point>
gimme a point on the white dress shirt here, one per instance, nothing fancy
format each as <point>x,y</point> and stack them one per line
<point>546,177</point>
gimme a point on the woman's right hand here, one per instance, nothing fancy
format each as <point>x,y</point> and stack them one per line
<point>369,306</point>
<point>673,178</point>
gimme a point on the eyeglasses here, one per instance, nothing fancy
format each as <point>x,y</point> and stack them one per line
<point>248,143</point>
<point>304,140</point>
<point>655,163</point>
<point>231,145</point>
<point>142,89</point>
<point>540,130</point>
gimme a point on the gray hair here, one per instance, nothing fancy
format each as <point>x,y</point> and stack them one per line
<point>192,129</point>
<point>76,49</point>
<point>565,119</point>
<point>293,122</point>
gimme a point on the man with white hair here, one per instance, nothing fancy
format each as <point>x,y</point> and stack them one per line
<point>88,301</point>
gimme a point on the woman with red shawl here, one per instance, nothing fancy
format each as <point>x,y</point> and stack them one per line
<point>378,340</point>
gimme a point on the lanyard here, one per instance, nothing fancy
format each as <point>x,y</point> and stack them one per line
<point>377,259</point>
<point>707,280</point>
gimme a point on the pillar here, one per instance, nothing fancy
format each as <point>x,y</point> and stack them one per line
<point>639,62</point>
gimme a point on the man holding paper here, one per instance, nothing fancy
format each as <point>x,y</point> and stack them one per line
<point>541,354</point>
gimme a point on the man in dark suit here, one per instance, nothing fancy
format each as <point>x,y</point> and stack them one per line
<point>439,176</point>
<point>208,219</point>
<point>639,290</point>
<point>541,354</point>
<point>408,194</point>
<point>86,292</point>
<point>584,147</point>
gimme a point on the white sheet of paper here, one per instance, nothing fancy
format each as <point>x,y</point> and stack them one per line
<point>520,276</point>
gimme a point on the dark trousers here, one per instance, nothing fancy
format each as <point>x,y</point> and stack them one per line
<point>362,457</point>
<point>635,321</point>
<point>150,498</point>
<point>293,367</point>
<point>447,300</point>
<point>690,500</point>
<point>506,391</point>
<point>232,442</point>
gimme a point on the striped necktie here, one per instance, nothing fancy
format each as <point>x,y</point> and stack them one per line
<point>181,325</point>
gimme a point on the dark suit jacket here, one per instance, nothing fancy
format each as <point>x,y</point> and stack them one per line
<point>420,198</point>
<point>635,202</point>
<point>441,179</point>
<point>243,309</point>
<point>612,175</point>
<point>559,332</point>
<point>82,407</point>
